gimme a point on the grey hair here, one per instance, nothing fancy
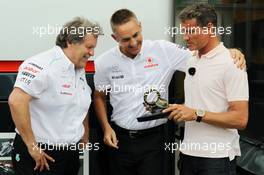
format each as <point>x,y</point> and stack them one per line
<point>202,12</point>
<point>75,31</point>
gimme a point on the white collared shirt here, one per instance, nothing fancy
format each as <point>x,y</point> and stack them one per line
<point>216,82</point>
<point>61,96</point>
<point>129,78</point>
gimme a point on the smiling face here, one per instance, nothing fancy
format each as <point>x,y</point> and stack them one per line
<point>129,37</point>
<point>79,53</point>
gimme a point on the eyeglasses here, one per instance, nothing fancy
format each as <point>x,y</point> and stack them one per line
<point>191,71</point>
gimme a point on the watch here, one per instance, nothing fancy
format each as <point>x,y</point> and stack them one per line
<point>200,114</point>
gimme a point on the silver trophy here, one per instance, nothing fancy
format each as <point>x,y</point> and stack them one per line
<point>155,107</point>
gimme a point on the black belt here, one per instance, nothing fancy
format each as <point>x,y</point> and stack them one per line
<point>137,133</point>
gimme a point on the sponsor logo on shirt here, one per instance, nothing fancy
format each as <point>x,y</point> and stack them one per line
<point>150,63</point>
<point>31,69</point>
<point>27,74</point>
<point>25,80</point>
<point>67,86</point>
<point>118,77</point>
<point>35,65</point>
<point>65,93</point>
<point>116,69</point>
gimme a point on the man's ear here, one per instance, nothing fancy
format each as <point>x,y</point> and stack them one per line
<point>68,44</point>
<point>212,29</point>
<point>114,37</point>
<point>139,23</point>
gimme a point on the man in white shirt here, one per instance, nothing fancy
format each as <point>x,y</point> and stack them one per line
<point>127,72</point>
<point>216,99</point>
<point>50,103</point>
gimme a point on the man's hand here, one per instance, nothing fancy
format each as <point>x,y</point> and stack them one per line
<point>239,58</point>
<point>180,113</point>
<point>100,108</point>
<point>40,157</point>
<point>110,137</point>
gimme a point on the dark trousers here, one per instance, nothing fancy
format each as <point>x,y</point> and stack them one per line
<point>66,161</point>
<point>190,165</point>
<point>138,153</point>
<point>97,158</point>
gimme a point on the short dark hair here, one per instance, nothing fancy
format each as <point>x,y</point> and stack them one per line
<point>75,31</point>
<point>121,16</point>
<point>202,12</point>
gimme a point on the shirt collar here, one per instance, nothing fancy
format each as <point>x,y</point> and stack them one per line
<point>209,55</point>
<point>124,56</point>
<point>66,61</point>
